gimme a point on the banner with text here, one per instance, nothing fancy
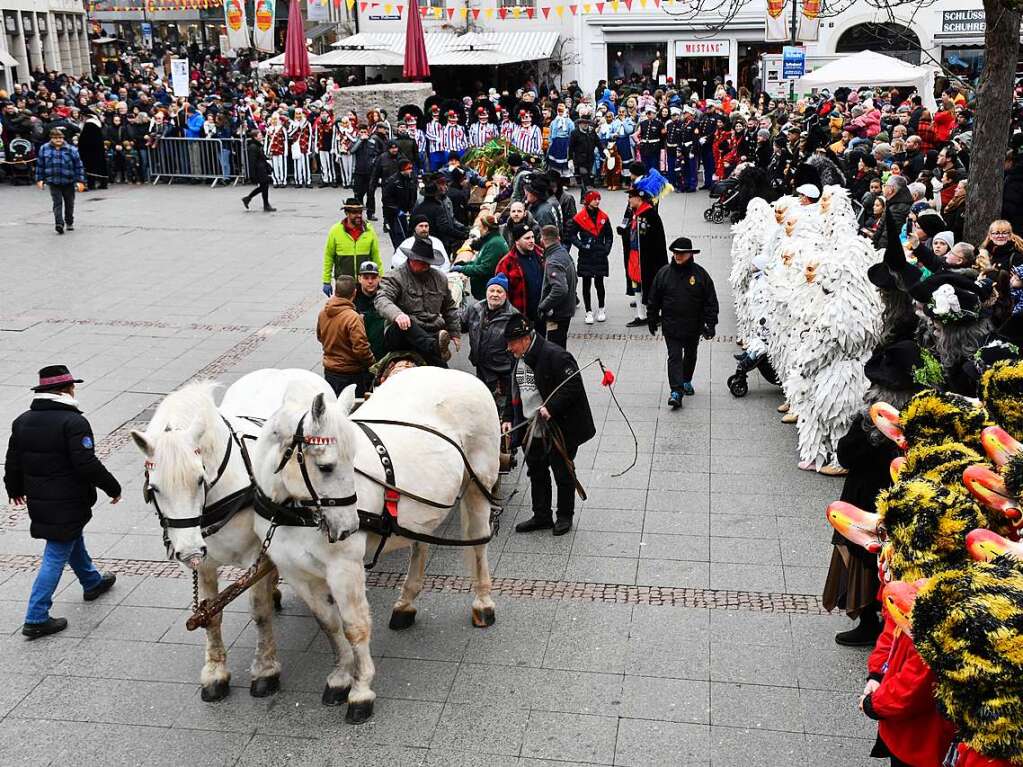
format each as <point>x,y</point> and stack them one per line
<point>179,77</point>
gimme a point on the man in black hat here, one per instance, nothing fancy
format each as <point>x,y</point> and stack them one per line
<point>415,301</point>
<point>51,465</point>
<point>386,164</point>
<point>546,389</point>
<point>645,252</point>
<point>683,301</point>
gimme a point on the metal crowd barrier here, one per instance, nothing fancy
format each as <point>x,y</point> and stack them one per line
<point>213,159</point>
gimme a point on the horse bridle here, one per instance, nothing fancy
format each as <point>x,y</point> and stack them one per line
<point>213,517</point>
<point>290,511</point>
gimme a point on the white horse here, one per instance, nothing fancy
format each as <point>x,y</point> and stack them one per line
<point>185,445</point>
<point>305,462</point>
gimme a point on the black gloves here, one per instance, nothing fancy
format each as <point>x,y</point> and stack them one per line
<point>708,333</point>
<point>652,324</point>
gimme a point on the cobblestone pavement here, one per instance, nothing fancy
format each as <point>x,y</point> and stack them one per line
<point>678,624</point>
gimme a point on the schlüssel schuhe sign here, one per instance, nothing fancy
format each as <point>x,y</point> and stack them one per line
<point>963,21</point>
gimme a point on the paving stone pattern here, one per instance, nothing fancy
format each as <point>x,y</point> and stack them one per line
<point>678,624</point>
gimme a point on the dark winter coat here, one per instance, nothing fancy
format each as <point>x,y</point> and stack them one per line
<point>653,252</point>
<point>259,166</point>
<point>1012,197</point>
<point>92,151</point>
<point>488,351</point>
<point>682,298</point>
<point>581,148</point>
<point>400,192</point>
<point>593,248</point>
<point>442,225</point>
<point>51,461</point>
<point>558,292</point>
<point>899,205</point>
<point>568,406</point>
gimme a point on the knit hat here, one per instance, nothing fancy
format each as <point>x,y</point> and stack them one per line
<point>417,219</point>
<point>500,280</point>
<point>931,223</point>
<point>946,237</point>
<point>591,196</point>
<point>519,230</point>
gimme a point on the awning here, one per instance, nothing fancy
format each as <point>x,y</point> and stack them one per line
<point>317,31</point>
<point>344,57</point>
<point>277,62</point>
<point>105,40</point>
<point>495,48</point>
<point>7,60</point>
<point>443,49</point>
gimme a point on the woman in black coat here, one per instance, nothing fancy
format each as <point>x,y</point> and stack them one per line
<point>646,235</point>
<point>591,234</point>
<point>259,172</point>
<point>93,154</point>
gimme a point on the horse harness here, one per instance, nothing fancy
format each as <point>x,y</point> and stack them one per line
<point>384,524</point>
<point>214,516</point>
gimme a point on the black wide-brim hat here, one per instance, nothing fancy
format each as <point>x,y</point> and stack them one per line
<point>683,245</point>
<point>55,377</point>
<point>892,366</point>
<point>517,327</point>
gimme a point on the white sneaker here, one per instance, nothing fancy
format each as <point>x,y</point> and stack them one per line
<point>589,318</point>
<point>601,317</point>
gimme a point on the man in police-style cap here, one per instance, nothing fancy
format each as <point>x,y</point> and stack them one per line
<point>682,300</point>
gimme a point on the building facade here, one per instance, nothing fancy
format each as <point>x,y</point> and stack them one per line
<point>42,35</point>
<point>600,42</point>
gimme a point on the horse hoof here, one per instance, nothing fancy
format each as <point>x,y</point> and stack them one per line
<point>335,696</point>
<point>265,686</point>
<point>277,600</point>
<point>216,691</point>
<point>481,619</point>
<point>402,619</point>
<point>359,712</point>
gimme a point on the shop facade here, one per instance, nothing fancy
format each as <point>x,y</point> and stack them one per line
<point>42,35</point>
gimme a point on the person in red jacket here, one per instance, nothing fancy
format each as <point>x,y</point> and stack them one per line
<point>944,121</point>
<point>900,695</point>
<point>967,757</point>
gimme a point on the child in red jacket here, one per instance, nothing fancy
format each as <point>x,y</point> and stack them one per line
<point>900,695</point>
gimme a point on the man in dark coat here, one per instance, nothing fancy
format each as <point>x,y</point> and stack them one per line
<point>51,465</point>
<point>899,202</point>
<point>582,146</point>
<point>683,301</point>
<point>398,198</point>
<point>442,224</point>
<point>546,389</point>
<point>259,172</point>
<point>93,153</point>
<point>646,253</point>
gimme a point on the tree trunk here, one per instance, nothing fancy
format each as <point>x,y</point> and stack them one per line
<point>992,117</point>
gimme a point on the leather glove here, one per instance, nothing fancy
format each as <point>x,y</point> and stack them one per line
<point>708,333</point>
<point>455,268</point>
<point>652,324</point>
<point>327,290</point>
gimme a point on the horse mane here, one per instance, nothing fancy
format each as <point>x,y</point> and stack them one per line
<point>181,408</point>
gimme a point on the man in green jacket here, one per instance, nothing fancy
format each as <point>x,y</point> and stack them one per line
<point>350,242</point>
<point>493,248</point>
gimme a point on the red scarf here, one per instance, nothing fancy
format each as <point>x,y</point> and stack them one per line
<point>587,224</point>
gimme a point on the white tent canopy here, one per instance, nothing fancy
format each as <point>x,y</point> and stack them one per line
<point>277,62</point>
<point>869,68</point>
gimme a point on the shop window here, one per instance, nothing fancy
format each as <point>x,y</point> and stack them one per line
<point>432,4</point>
<point>965,62</point>
<point>890,39</point>
<point>636,62</point>
<point>517,4</point>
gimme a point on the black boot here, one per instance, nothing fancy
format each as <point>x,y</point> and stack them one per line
<point>105,584</point>
<point>865,634</point>
<point>535,522</point>
<point>562,525</point>
<point>50,626</point>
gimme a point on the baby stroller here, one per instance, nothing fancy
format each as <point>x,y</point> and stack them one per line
<point>20,169</point>
<point>738,383</point>
<point>725,191</point>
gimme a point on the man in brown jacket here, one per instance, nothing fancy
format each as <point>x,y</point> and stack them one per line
<point>346,352</point>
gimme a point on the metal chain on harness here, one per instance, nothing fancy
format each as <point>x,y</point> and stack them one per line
<point>195,590</point>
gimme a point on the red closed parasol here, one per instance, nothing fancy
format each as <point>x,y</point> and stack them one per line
<point>417,68</point>
<point>296,57</point>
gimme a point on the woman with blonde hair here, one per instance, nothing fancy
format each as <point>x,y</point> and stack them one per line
<point>1002,248</point>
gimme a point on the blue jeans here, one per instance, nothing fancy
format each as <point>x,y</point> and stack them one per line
<point>56,555</point>
<point>225,163</point>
